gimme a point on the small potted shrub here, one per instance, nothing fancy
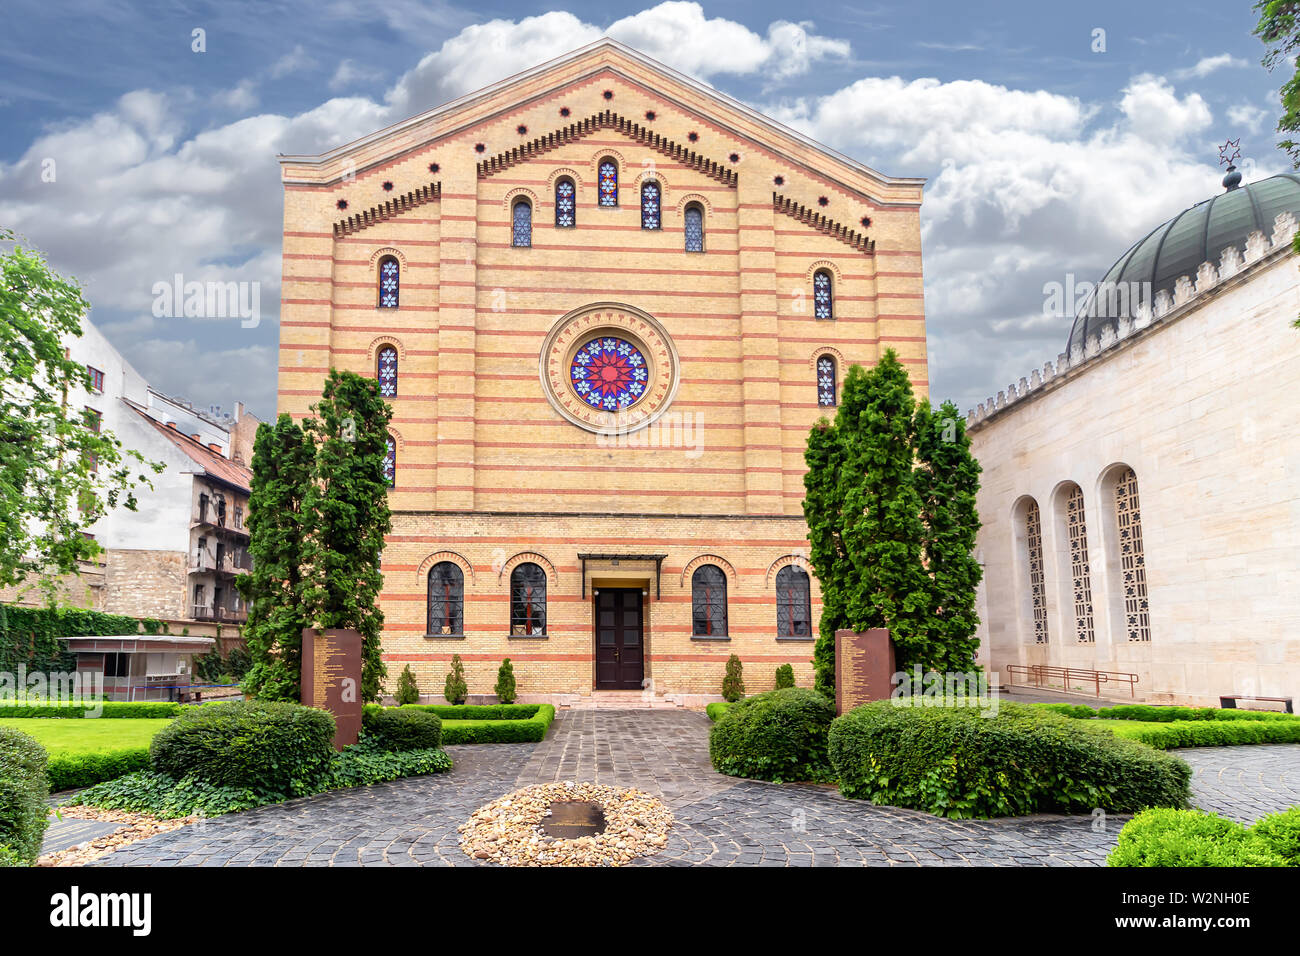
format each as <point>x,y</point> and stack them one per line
<point>784,676</point>
<point>408,692</point>
<point>733,682</point>
<point>506,682</point>
<point>456,689</point>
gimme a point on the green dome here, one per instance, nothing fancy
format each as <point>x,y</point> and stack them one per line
<point>1179,246</point>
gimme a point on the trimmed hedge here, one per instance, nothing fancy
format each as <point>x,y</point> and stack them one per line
<point>1164,837</point>
<point>397,729</point>
<point>279,748</point>
<point>482,724</point>
<point>479,711</point>
<point>716,709</point>
<point>1212,733</point>
<point>72,770</point>
<point>1146,712</point>
<point>1081,711</point>
<point>780,736</point>
<point>964,762</point>
<point>24,813</point>
<point>111,708</point>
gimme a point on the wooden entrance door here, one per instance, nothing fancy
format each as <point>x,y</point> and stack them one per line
<point>620,655</point>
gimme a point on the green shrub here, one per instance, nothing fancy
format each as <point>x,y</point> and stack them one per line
<point>1165,837</point>
<point>1211,733</point>
<point>716,709</point>
<point>11,857</point>
<point>1152,714</point>
<point>396,729</point>
<point>733,681</point>
<point>23,795</point>
<point>1081,711</point>
<point>110,709</point>
<point>784,676</point>
<point>1281,833</point>
<point>965,762</point>
<point>270,747</point>
<point>408,691</point>
<point>477,711</point>
<point>484,724</point>
<point>456,690</point>
<point>361,766</point>
<point>505,689</point>
<point>779,736</point>
<point>68,771</point>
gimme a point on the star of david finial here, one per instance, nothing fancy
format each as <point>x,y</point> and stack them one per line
<point>1229,158</point>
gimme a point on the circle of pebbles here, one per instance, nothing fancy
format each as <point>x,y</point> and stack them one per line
<point>509,830</point>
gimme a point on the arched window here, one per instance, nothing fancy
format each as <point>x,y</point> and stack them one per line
<point>608,184</point>
<point>1080,570</point>
<point>522,230</point>
<point>565,204</point>
<point>694,228</point>
<point>528,600</point>
<point>650,204</point>
<point>1132,558</point>
<point>793,602</point>
<point>390,462</point>
<point>446,599</point>
<point>826,381</point>
<point>389,281</point>
<point>709,601</point>
<point>1034,568</point>
<point>386,371</point>
<point>823,306</point>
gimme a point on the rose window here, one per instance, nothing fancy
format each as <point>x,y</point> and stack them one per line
<point>609,373</point>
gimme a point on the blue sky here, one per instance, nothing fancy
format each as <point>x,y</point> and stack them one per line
<point>1045,158</point>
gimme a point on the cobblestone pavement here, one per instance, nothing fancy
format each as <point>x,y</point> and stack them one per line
<point>720,820</point>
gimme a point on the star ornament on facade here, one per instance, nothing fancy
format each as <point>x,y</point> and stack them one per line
<point>1229,152</point>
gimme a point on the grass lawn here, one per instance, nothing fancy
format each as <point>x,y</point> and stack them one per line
<point>88,734</point>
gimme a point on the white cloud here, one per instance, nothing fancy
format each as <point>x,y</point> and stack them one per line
<point>1207,65</point>
<point>350,74</point>
<point>1252,118</point>
<point>295,61</point>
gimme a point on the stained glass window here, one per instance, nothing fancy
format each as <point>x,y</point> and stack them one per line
<point>390,462</point>
<point>609,373</point>
<point>694,229</point>
<point>826,381</point>
<point>608,183</point>
<point>528,600</point>
<point>387,371</point>
<point>650,205</point>
<point>446,599</point>
<point>709,601</point>
<point>1034,565</point>
<point>1132,558</point>
<point>389,279</point>
<point>822,304</point>
<point>793,602</point>
<point>523,224</point>
<point>565,206</point>
<point>1081,573</point>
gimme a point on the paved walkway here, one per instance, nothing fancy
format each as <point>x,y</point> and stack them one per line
<point>720,820</point>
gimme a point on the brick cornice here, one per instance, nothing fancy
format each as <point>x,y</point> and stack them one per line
<point>858,240</point>
<point>387,210</point>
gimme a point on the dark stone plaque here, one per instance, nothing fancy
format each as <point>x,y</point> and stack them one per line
<point>571,819</point>
<point>331,678</point>
<point>864,667</point>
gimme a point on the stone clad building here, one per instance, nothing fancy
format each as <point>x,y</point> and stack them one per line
<point>607,302</point>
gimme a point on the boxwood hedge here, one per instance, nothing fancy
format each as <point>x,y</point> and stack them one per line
<point>1164,714</point>
<point>1212,733</point>
<point>68,771</point>
<point>966,762</point>
<point>23,795</point>
<point>485,724</point>
<point>396,729</point>
<point>108,708</point>
<point>1166,837</point>
<point>778,736</point>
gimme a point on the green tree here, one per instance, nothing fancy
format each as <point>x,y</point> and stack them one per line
<point>283,459</point>
<point>59,472</point>
<point>784,676</point>
<point>408,691</point>
<point>455,689</point>
<point>733,681</point>
<point>346,516</point>
<point>505,689</point>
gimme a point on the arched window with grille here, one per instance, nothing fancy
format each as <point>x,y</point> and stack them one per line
<point>386,371</point>
<point>650,196</point>
<point>389,282</point>
<point>528,600</point>
<point>1132,557</point>
<point>521,235</point>
<point>390,462</point>
<point>1080,570</point>
<point>607,184</point>
<point>694,228</point>
<point>793,602</point>
<point>446,599</point>
<point>566,206</point>
<point>826,390</point>
<point>823,304</point>
<point>1033,559</point>
<point>709,601</point>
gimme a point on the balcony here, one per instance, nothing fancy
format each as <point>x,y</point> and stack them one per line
<point>223,615</point>
<point>204,562</point>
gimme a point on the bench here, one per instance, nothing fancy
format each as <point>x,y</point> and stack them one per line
<point>1229,702</point>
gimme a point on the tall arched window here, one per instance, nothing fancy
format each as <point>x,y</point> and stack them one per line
<point>389,282</point>
<point>528,600</point>
<point>1034,568</point>
<point>823,306</point>
<point>390,461</point>
<point>650,204</point>
<point>694,228</point>
<point>386,371</point>
<point>522,229</point>
<point>1080,570</point>
<point>826,381</point>
<point>446,599</point>
<point>709,601</point>
<point>793,602</point>
<point>1132,557</point>
<point>608,182</point>
<point>565,204</point>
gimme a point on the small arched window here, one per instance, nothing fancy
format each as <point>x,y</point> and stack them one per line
<point>565,204</point>
<point>386,371</point>
<point>390,462</point>
<point>694,228</point>
<point>389,282</point>
<point>650,204</point>
<point>522,224</point>
<point>793,602</point>
<point>709,601</point>
<point>1033,556</point>
<point>1080,569</point>
<point>1132,557</point>
<point>446,599</point>
<point>823,306</point>
<point>528,600</point>
<point>608,185</point>
<point>826,390</point>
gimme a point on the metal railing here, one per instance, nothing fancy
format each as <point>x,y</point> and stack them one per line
<point>1040,674</point>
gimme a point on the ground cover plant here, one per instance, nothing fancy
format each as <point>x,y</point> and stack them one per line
<point>1168,837</point>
